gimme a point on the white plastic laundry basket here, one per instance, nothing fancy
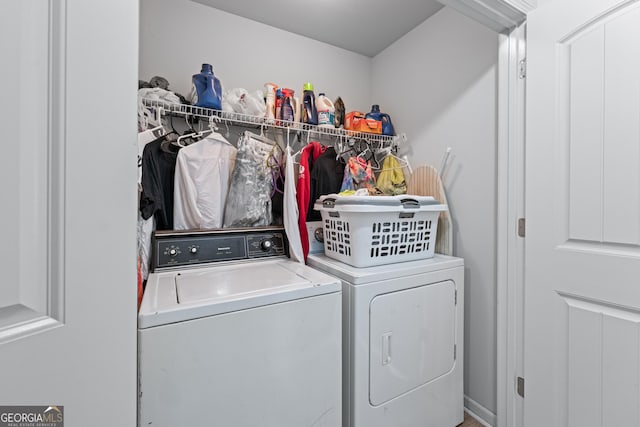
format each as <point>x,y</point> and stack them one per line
<point>363,231</point>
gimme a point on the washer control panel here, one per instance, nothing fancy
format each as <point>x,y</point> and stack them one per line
<point>174,249</point>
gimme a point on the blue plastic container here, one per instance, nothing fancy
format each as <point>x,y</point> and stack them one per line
<point>208,88</point>
<point>286,110</point>
<point>309,110</point>
<point>375,114</point>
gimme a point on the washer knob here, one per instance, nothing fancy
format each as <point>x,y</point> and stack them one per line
<point>266,245</point>
<point>193,250</point>
<point>173,252</point>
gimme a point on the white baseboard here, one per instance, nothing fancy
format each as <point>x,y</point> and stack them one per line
<point>479,412</point>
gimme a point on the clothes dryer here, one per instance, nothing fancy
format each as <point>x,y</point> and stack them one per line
<point>402,341</point>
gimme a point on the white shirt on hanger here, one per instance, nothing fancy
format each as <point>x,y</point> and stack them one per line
<point>203,173</point>
<point>291,211</point>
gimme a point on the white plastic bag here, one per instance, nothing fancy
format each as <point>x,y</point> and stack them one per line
<point>238,100</point>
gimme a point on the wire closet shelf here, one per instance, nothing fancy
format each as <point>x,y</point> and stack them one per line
<point>244,119</point>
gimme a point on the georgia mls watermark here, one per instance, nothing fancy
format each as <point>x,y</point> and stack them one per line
<point>32,416</point>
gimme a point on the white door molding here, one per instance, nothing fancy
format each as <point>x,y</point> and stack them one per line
<point>508,18</point>
<point>499,15</point>
<point>510,258</point>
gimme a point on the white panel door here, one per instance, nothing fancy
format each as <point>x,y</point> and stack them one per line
<point>582,292</point>
<point>68,291</point>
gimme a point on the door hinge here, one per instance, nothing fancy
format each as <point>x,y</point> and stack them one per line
<point>521,227</point>
<point>522,68</point>
<point>520,386</point>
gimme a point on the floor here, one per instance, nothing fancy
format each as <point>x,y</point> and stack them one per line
<point>470,422</point>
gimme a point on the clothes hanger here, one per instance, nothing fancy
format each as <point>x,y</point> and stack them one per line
<point>339,146</point>
<point>169,138</point>
<point>376,146</point>
<point>190,133</point>
<point>212,129</point>
<point>369,156</point>
<point>348,153</point>
<point>407,164</point>
<point>158,121</point>
<point>375,164</point>
<point>297,153</point>
<point>360,146</point>
<point>276,167</point>
<point>375,151</point>
<point>213,125</point>
<point>335,145</point>
<point>261,138</point>
<point>189,125</point>
<point>226,125</point>
<point>288,135</point>
<point>404,160</point>
<point>404,164</point>
<point>173,130</point>
<point>363,150</point>
<point>180,141</point>
<point>157,131</point>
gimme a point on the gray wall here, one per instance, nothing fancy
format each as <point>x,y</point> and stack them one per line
<point>177,36</point>
<point>439,83</point>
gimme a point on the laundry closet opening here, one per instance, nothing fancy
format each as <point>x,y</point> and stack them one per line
<point>439,84</point>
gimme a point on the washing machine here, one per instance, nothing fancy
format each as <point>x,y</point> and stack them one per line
<point>231,332</point>
<point>402,341</point>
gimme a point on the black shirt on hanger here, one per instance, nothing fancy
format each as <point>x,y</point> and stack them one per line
<point>326,178</point>
<point>158,171</point>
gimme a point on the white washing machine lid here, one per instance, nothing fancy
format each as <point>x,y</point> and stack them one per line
<point>187,294</point>
<point>361,275</point>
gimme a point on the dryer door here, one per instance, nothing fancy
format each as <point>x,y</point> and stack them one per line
<point>412,339</point>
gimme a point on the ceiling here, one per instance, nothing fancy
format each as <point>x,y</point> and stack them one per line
<point>362,26</point>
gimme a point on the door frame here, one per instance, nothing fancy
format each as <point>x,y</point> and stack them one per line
<point>511,207</point>
<point>508,18</point>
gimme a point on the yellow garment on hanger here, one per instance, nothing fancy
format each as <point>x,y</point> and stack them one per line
<point>391,180</point>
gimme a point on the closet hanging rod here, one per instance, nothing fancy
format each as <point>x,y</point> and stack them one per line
<point>245,119</point>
